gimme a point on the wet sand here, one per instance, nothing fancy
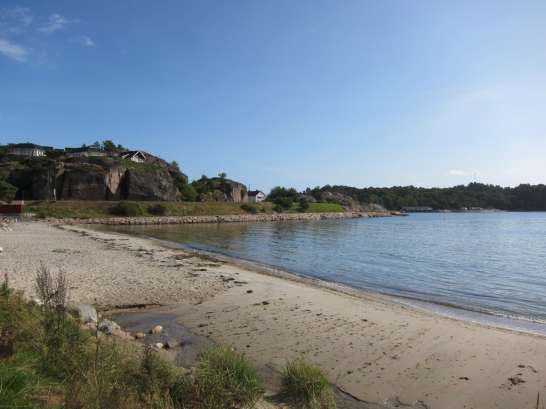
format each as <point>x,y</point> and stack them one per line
<point>370,346</point>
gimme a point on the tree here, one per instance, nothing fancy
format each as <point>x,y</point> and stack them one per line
<point>108,146</point>
<point>283,197</point>
<point>188,193</point>
<point>304,204</point>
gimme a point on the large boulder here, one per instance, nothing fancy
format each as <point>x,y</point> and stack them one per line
<point>148,184</point>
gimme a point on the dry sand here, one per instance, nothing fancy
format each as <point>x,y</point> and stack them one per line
<point>370,346</point>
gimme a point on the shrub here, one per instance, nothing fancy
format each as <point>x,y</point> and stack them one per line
<point>7,191</point>
<point>249,208</point>
<point>157,209</point>
<point>278,209</point>
<point>305,386</point>
<point>224,380</point>
<point>128,209</point>
<point>104,379</point>
<point>304,204</point>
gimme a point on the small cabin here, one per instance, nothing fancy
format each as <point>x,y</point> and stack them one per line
<point>28,149</point>
<point>134,156</point>
<point>256,196</point>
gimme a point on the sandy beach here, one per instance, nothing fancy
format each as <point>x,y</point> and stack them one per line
<point>370,346</point>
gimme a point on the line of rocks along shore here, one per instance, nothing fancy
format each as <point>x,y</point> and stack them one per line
<point>276,217</point>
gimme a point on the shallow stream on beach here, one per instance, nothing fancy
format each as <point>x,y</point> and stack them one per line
<point>492,263</point>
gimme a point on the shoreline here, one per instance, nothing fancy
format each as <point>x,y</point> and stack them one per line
<point>449,311</point>
<point>235,218</point>
<point>368,345</point>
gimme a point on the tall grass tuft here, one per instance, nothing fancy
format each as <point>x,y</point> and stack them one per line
<point>304,385</point>
<point>223,380</point>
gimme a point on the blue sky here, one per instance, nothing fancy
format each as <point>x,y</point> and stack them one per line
<point>296,93</point>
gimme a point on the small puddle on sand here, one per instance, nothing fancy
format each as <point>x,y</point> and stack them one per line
<point>188,346</point>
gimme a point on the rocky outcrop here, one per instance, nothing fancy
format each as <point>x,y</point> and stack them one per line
<point>82,183</point>
<point>94,178</point>
<point>149,184</point>
<point>220,190</point>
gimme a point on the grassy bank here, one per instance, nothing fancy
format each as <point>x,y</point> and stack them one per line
<point>93,209</point>
<point>49,359</point>
<point>89,209</point>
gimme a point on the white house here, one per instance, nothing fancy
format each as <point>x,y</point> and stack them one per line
<point>256,196</point>
<point>28,149</point>
<point>135,156</point>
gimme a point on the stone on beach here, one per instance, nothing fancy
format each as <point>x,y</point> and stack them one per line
<point>158,329</point>
<point>140,335</point>
<point>108,327</point>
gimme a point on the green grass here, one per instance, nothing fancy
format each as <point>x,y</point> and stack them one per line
<point>90,209</point>
<point>304,385</point>
<point>17,385</point>
<point>318,208</point>
<point>325,208</point>
<point>82,209</point>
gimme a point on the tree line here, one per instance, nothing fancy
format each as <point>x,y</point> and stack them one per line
<point>522,197</point>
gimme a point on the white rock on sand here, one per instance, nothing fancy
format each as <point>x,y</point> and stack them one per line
<point>370,346</point>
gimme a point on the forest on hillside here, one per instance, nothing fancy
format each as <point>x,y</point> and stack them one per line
<point>522,197</point>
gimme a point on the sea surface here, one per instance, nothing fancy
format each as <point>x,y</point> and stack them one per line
<point>461,264</point>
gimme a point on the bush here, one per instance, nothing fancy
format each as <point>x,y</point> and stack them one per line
<point>7,191</point>
<point>249,208</point>
<point>19,324</point>
<point>305,386</point>
<point>157,209</point>
<point>128,209</point>
<point>223,380</point>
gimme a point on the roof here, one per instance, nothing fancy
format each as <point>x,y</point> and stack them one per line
<point>255,192</point>
<point>29,145</point>
<point>132,153</point>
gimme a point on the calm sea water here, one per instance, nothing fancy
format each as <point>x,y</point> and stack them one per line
<point>487,262</point>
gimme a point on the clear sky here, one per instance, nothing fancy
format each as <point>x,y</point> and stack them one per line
<point>296,93</point>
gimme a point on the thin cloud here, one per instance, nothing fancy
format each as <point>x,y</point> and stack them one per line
<point>54,23</point>
<point>16,20</point>
<point>13,51</point>
<point>87,41</point>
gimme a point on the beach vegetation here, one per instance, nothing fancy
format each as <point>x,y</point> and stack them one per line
<point>305,386</point>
